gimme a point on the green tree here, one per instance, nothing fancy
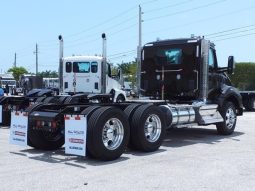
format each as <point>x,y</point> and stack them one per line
<point>48,74</point>
<point>129,70</point>
<point>243,77</point>
<point>17,72</point>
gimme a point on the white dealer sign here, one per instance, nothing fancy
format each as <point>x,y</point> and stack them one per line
<point>75,135</point>
<point>18,128</point>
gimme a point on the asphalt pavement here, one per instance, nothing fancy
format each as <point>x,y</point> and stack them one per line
<point>190,159</point>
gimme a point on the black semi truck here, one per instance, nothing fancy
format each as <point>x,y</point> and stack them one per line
<point>181,85</point>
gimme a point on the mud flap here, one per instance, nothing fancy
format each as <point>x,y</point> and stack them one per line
<point>19,128</point>
<point>75,134</point>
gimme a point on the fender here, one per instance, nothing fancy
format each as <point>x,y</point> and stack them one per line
<point>229,93</point>
<point>116,92</point>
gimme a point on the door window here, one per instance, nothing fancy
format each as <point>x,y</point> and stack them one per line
<point>68,67</point>
<point>94,67</point>
<point>211,59</point>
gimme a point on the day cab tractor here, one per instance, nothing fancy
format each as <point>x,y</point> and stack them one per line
<point>181,86</point>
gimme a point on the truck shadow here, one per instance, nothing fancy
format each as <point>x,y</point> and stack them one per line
<point>59,157</point>
<point>189,136</point>
<point>175,138</point>
<point>178,138</point>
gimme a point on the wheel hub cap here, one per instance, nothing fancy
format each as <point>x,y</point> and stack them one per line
<point>230,118</point>
<point>152,128</point>
<point>113,133</point>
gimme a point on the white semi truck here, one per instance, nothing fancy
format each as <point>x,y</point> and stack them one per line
<point>83,74</point>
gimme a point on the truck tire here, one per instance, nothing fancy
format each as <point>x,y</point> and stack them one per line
<point>228,112</point>
<point>89,110</point>
<point>251,104</point>
<point>62,99</point>
<point>107,133</point>
<point>50,100</point>
<point>129,110</point>
<point>147,128</point>
<point>44,140</point>
<point>40,99</point>
<point>120,98</point>
<point>68,100</point>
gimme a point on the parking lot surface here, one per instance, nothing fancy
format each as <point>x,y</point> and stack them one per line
<point>189,159</point>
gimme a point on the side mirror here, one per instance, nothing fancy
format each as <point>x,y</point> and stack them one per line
<point>231,64</point>
<point>119,73</point>
<point>109,71</point>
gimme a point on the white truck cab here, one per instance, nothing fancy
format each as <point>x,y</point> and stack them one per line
<point>83,74</point>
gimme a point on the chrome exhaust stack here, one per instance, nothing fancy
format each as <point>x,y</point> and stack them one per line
<point>60,69</point>
<point>205,47</point>
<point>104,64</point>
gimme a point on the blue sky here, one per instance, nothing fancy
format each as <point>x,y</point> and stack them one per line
<point>25,23</point>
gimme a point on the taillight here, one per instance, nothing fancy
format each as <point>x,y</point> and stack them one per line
<point>49,124</point>
<point>53,124</point>
<point>38,123</point>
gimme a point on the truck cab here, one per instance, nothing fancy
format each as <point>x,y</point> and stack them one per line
<point>83,74</point>
<point>186,71</point>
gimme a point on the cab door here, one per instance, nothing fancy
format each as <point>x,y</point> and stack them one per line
<point>214,76</point>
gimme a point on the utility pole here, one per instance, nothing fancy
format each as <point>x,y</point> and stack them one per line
<point>15,60</point>
<point>139,49</point>
<point>36,58</point>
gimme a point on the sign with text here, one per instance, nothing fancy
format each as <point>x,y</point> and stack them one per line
<point>18,128</point>
<point>75,135</point>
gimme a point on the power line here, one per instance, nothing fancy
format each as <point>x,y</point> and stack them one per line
<point>233,33</point>
<point>203,20</point>
<point>169,6</point>
<point>107,21</point>
<point>229,30</point>
<point>129,51</point>
<point>122,56</point>
<point>234,37</point>
<point>186,10</point>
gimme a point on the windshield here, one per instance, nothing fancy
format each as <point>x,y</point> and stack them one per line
<point>81,67</point>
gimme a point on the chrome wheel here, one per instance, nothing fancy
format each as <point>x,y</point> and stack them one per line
<point>113,134</point>
<point>152,128</point>
<point>230,118</point>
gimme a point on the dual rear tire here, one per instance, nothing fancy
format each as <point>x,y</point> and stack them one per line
<point>147,127</point>
<point>107,133</point>
<point>109,130</point>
